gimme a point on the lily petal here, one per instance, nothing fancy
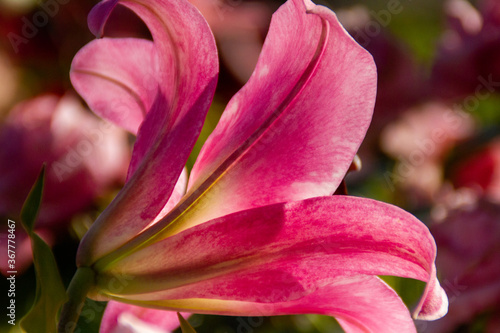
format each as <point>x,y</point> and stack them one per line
<point>292,132</point>
<point>357,302</point>
<point>116,78</point>
<point>282,252</point>
<point>177,194</point>
<point>186,47</point>
<point>125,318</point>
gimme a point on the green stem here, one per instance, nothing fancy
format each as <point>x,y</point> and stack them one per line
<point>82,282</point>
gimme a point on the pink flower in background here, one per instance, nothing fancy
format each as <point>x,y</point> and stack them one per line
<point>125,318</point>
<point>255,230</point>
<point>469,265</point>
<point>84,156</point>
<point>239,28</point>
<point>420,141</point>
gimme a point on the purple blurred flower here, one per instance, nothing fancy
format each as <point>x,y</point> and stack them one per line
<point>467,60</point>
<point>468,238</point>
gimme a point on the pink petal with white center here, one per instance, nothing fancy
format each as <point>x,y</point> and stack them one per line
<point>125,318</point>
<point>187,74</point>
<point>281,253</point>
<point>117,79</point>
<point>292,132</point>
<point>360,304</point>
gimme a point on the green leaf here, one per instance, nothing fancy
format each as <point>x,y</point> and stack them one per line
<point>32,203</point>
<point>50,291</point>
<point>185,327</point>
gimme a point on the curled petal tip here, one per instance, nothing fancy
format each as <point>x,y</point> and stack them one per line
<point>435,309</point>
<point>434,302</point>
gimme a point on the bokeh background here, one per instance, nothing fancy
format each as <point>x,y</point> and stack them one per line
<point>433,147</point>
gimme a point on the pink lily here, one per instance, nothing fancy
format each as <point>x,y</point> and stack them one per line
<point>257,231</point>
